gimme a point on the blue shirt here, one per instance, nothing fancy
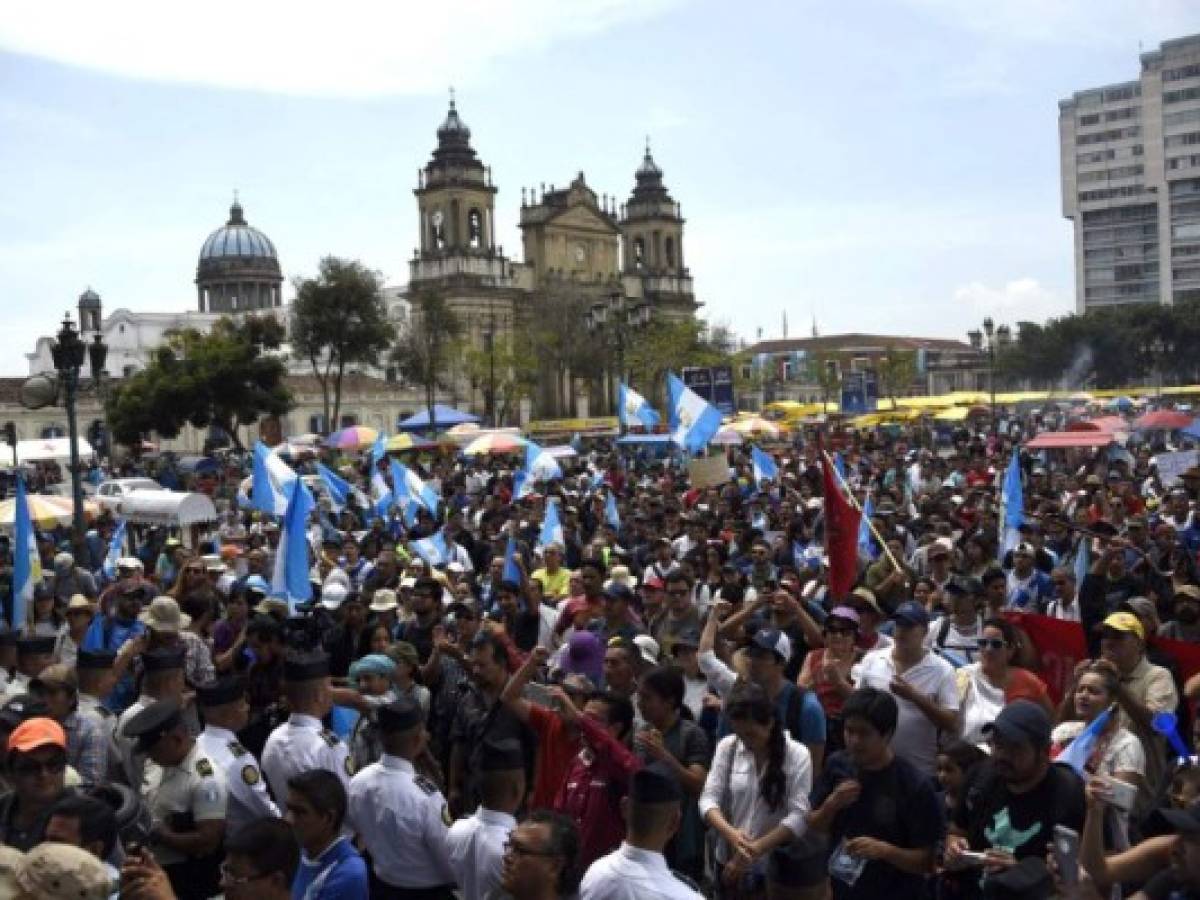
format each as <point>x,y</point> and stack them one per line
<point>110,633</point>
<point>337,874</point>
<point>806,722</point>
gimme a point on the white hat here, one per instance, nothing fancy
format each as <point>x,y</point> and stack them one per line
<point>333,594</point>
<point>163,616</point>
<point>337,576</point>
<point>648,647</point>
<point>130,562</point>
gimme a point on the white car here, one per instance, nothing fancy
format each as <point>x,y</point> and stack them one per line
<point>109,494</point>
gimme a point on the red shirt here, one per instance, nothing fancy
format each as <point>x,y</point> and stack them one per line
<point>1024,685</point>
<point>556,749</point>
<point>592,790</point>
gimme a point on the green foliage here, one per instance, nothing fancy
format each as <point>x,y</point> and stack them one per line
<point>1104,348</point>
<point>825,370</point>
<point>897,369</point>
<point>222,378</point>
<point>339,319</point>
<point>425,351</point>
<point>512,363</point>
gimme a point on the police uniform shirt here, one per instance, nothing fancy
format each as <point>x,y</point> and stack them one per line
<point>95,710</point>
<point>300,744</point>
<point>402,820</point>
<point>126,764</point>
<point>630,873</point>
<point>248,797</point>
<point>194,789</point>
<point>476,849</point>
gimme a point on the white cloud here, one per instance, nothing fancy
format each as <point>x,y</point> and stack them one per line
<point>1020,300</point>
<point>357,48</point>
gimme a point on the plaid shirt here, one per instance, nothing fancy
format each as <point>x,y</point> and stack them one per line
<point>87,748</point>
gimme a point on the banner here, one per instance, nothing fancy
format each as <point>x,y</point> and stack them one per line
<point>1172,465</point>
<point>1060,646</point>
<point>710,471</point>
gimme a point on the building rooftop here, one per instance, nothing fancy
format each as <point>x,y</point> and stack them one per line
<point>856,341</point>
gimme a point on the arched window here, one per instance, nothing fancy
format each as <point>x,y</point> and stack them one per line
<point>639,253</point>
<point>438,232</point>
<point>475,229</point>
<point>669,252</point>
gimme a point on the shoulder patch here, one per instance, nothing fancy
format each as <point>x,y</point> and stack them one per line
<point>349,765</point>
<point>447,820</point>
<point>425,784</point>
<point>204,768</point>
<point>330,738</point>
<point>237,749</point>
<point>250,775</point>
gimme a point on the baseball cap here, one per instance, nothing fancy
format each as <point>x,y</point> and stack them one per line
<point>1021,720</point>
<point>1142,607</point>
<point>648,648</point>
<point>333,595</point>
<point>1023,549</point>
<point>774,640</point>
<point>1125,621</point>
<point>846,613</point>
<point>35,733</point>
<point>910,612</point>
<point>58,675</point>
<point>867,596</point>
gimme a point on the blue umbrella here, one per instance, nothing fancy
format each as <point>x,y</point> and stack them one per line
<point>444,417</point>
<point>1124,404</point>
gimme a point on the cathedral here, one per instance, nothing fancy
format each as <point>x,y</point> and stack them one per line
<point>580,251</point>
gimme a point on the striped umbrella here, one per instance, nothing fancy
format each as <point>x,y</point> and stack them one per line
<point>757,426</point>
<point>495,443</point>
<point>354,438</point>
<point>46,510</point>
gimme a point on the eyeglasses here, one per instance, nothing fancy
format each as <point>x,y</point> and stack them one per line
<point>227,877</point>
<point>511,846</point>
<point>991,644</point>
<point>55,766</point>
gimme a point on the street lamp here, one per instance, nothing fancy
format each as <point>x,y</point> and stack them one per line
<point>1158,349</point>
<point>615,321</point>
<point>989,331</point>
<point>68,353</point>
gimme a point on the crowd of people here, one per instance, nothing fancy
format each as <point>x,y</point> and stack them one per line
<point>673,698</point>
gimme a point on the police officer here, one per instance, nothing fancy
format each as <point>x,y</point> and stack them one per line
<point>33,655</point>
<point>94,669</point>
<point>185,794</point>
<point>162,679</point>
<point>476,844</point>
<point>225,712</point>
<point>301,742</point>
<point>637,870</point>
<point>401,817</point>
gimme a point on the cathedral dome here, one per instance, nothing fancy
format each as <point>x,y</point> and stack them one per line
<point>238,240</point>
<point>454,127</point>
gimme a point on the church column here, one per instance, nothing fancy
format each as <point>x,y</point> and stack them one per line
<point>200,297</point>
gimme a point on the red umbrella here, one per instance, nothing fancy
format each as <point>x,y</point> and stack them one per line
<point>1162,419</point>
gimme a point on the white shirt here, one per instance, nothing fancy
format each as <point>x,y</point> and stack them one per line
<point>733,787</point>
<point>476,849</point>
<point>194,786</point>
<point>960,641</point>
<point>248,797</point>
<point>630,873</point>
<point>1056,609</point>
<point>402,820</point>
<point>916,737</point>
<point>300,744</point>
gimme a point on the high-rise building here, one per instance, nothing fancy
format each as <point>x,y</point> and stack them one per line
<point>1131,182</point>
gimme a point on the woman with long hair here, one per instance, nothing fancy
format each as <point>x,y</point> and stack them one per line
<point>989,685</point>
<point>192,576</point>
<point>756,796</point>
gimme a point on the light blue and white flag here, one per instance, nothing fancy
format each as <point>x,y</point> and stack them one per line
<point>552,530</point>
<point>270,481</point>
<point>382,497</point>
<point>694,420</point>
<point>632,408</point>
<point>338,487</point>
<point>840,465</point>
<point>540,465</point>
<point>27,564</point>
<point>378,450</point>
<point>402,496</point>
<point>434,550</point>
<point>290,578</point>
<point>1012,498</point>
<point>765,468</point>
<point>866,545</point>
<point>416,488</point>
<point>512,572</point>
<point>116,545</point>
<point>522,485</point>
<point>1083,559</point>
<point>1077,753</point>
<point>611,514</point>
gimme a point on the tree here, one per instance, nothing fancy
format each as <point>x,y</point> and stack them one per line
<point>339,319</point>
<point>897,369</point>
<point>424,352</point>
<point>512,362</point>
<point>827,374</point>
<point>224,378</point>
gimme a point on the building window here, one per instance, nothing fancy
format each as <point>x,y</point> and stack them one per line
<point>349,420</point>
<point>1090,119</point>
<point>1178,74</point>
<point>669,252</point>
<point>1184,94</point>
<point>316,423</point>
<point>475,229</point>
<point>53,431</point>
<point>639,253</point>
<point>1123,93</point>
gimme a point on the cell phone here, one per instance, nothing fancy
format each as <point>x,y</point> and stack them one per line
<point>1066,854</point>
<point>970,858</point>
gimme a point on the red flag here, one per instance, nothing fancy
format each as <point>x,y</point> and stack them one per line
<point>841,533</point>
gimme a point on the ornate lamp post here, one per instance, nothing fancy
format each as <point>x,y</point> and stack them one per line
<point>615,321</point>
<point>1158,350</point>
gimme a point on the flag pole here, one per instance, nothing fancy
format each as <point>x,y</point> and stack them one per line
<point>858,506</point>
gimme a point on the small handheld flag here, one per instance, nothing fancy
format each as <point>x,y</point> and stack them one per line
<point>338,487</point>
<point>865,544</point>
<point>1079,751</point>
<point>694,420</point>
<point>290,578</point>
<point>27,566</point>
<point>512,571</point>
<point>433,550</point>
<point>552,530</point>
<point>765,468</point>
<point>115,546</point>
<point>540,465</point>
<point>270,480</point>
<point>1013,500</point>
<point>632,409</point>
<point>611,514</point>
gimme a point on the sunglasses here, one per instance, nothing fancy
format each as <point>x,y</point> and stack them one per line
<point>991,644</point>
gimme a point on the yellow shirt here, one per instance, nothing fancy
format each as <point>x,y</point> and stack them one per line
<point>553,585</point>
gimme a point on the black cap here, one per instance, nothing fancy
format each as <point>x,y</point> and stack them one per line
<point>224,690</point>
<point>689,637</point>
<point>1021,721</point>
<point>22,707</point>
<point>618,591</point>
<point>501,755</point>
<point>95,659</point>
<point>31,646</point>
<point>654,783</point>
<point>8,637</point>
<point>305,666</point>
<point>399,715</point>
<point>153,722</point>
<point>1175,821</point>
<point>163,659</point>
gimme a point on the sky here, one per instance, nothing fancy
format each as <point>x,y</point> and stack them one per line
<point>888,166</point>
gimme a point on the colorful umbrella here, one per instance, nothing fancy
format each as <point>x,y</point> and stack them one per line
<point>398,442</point>
<point>354,438</point>
<point>1162,420</point>
<point>756,426</point>
<point>727,437</point>
<point>46,510</point>
<point>495,443</point>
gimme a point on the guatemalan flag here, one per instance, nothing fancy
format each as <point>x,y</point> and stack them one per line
<point>694,421</point>
<point>115,545</point>
<point>408,505</point>
<point>381,495</point>
<point>512,572</point>
<point>765,468</point>
<point>417,489</point>
<point>611,514</point>
<point>339,488</point>
<point>434,550</point>
<point>540,465</point>
<point>632,408</point>
<point>552,530</point>
<point>27,564</point>
<point>1012,498</point>
<point>1077,753</point>
<point>270,482</point>
<point>290,578</point>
